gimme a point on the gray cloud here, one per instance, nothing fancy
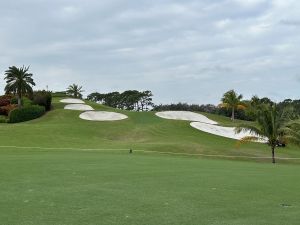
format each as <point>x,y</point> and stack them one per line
<point>189,51</point>
<point>290,22</point>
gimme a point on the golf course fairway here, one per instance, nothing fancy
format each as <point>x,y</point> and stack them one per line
<point>60,169</point>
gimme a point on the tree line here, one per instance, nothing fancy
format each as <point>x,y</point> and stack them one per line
<point>128,100</point>
<point>232,105</point>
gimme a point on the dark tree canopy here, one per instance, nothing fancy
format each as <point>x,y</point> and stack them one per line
<point>129,100</point>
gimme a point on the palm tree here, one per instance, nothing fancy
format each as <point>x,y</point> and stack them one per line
<point>75,90</point>
<point>18,81</point>
<point>231,100</point>
<point>274,126</point>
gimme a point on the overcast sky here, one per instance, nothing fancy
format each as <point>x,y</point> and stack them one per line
<point>183,50</point>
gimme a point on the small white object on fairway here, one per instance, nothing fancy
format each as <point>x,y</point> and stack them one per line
<point>102,116</point>
<point>185,115</point>
<point>80,107</point>
<point>72,101</point>
<point>228,132</point>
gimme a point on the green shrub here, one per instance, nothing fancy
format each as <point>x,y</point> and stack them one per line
<point>60,94</point>
<point>24,101</point>
<point>42,98</point>
<point>3,119</point>
<point>26,113</point>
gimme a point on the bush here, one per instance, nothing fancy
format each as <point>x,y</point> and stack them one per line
<point>24,101</point>
<point>26,113</point>
<point>43,98</point>
<point>60,94</point>
<point>3,119</point>
<point>5,110</point>
<point>14,101</point>
<point>5,100</point>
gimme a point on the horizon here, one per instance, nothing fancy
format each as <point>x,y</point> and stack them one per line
<point>190,52</point>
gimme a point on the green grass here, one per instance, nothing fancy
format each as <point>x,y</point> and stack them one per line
<point>143,130</point>
<point>70,187</point>
<point>226,121</point>
<point>76,187</point>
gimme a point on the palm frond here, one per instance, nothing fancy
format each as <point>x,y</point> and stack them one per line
<point>293,139</point>
<point>224,105</point>
<point>247,139</point>
<point>18,80</point>
<point>241,107</point>
<point>249,128</point>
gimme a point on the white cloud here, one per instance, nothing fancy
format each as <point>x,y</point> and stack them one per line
<point>182,50</point>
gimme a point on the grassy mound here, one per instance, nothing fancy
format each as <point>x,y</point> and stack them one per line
<point>61,128</point>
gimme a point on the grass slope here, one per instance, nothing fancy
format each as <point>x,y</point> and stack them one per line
<point>143,130</point>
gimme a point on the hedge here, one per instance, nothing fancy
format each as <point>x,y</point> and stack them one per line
<point>43,98</point>
<point>24,101</point>
<point>60,94</point>
<point>26,113</point>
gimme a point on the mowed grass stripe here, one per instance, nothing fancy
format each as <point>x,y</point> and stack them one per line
<point>82,188</point>
<point>145,151</point>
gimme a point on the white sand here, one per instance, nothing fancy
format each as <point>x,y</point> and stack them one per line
<point>102,116</point>
<point>81,107</point>
<point>72,101</point>
<point>228,132</point>
<point>185,115</point>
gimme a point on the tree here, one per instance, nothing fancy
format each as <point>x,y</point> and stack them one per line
<point>96,97</point>
<point>18,81</point>
<point>266,100</point>
<point>274,126</point>
<point>112,99</point>
<point>146,100</point>
<point>231,100</point>
<point>75,90</point>
<point>294,105</point>
<point>128,100</point>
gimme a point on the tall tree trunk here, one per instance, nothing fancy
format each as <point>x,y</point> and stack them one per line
<point>232,114</point>
<point>19,100</point>
<point>273,154</point>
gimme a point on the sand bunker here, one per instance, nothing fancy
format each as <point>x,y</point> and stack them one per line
<point>102,116</point>
<point>81,107</point>
<point>228,132</point>
<point>72,101</point>
<point>185,115</point>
